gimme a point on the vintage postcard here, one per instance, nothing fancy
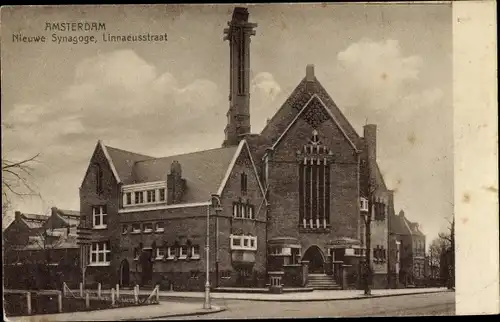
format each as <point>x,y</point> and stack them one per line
<point>249,161</point>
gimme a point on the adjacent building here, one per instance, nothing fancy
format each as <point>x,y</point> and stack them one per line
<point>408,257</point>
<point>290,199</point>
<point>42,249</point>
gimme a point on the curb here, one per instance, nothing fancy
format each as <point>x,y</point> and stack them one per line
<point>358,297</point>
<point>215,309</point>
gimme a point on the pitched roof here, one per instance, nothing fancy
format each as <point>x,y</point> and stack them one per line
<point>203,171</point>
<point>397,225</point>
<point>124,161</point>
<point>414,227</point>
<point>33,220</point>
<point>70,217</point>
<point>294,104</point>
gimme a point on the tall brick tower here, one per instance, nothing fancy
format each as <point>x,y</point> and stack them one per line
<point>238,116</point>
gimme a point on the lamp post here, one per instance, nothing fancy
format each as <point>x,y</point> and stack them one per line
<point>216,204</point>
<point>367,218</point>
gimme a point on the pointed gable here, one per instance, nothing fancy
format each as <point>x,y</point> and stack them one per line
<point>300,96</point>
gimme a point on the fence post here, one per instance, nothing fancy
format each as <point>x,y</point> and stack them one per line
<point>59,302</point>
<point>137,288</point>
<point>158,293</point>
<point>117,291</point>
<point>81,289</point>
<point>136,295</point>
<point>87,300</point>
<point>64,288</point>
<point>28,302</point>
<point>98,290</point>
<point>113,296</point>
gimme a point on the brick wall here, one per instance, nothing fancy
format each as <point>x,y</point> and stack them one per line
<point>109,196</point>
<point>284,186</point>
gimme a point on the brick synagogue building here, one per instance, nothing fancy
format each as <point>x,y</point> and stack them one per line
<point>289,199</point>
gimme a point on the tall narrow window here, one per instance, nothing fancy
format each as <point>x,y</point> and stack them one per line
<point>314,185</point>
<point>241,62</point>
<point>243,183</point>
<point>98,177</point>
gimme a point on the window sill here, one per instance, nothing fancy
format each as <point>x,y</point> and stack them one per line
<point>244,248</point>
<point>100,264</point>
<point>240,218</point>
<point>148,231</point>
<point>136,232</point>
<point>159,258</point>
<point>100,227</point>
<point>183,257</point>
<point>320,230</point>
<point>195,257</point>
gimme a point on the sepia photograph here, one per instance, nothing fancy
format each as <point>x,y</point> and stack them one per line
<point>238,161</point>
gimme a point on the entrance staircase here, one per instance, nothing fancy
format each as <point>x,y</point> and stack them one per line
<point>322,282</point>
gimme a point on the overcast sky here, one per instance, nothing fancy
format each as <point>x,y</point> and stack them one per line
<point>384,64</point>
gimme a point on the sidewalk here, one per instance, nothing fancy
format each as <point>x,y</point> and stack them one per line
<point>162,310</point>
<point>293,297</point>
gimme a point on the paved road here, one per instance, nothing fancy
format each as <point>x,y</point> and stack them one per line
<point>405,305</point>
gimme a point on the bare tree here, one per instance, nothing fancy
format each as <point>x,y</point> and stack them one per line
<point>447,259</point>
<point>17,176</point>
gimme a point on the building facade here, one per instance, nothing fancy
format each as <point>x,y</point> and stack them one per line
<point>408,257</point>
<point>42,249</point>
<point>291,198</point>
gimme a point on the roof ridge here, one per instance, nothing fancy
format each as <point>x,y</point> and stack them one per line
<point>127,151</point>
<point>188,153</point>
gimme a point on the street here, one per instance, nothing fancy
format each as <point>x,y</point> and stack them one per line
<point>405,305</point>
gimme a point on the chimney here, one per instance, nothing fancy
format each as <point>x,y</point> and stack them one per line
<point>53,211</point>
<point>238,117</point>
<point>17,215</point>
<point>175,183</point>
<point>401,213</point>
<point>370,136</point>
<point>310,73</point>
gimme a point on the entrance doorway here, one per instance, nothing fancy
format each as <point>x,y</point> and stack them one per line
<point>124,273</point>
<point>316,260</point>
<point>146,266</point>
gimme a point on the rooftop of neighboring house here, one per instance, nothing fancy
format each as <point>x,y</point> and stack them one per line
<point>400,225</point>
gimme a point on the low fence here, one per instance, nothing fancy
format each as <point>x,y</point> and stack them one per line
<point>22,302</point>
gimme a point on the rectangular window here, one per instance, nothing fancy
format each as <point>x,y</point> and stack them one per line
<point>160,253</point>
<point>159,227</point>
<point>99,215</point>
<point>161,193</point>
<point>129,198</point>
<point>136,254</point>
<point>195,252</point>
<point>148,227</point>
<point>183,252</point>
<point>170,253</point>
<point>136,228</point>
<point>236,241</point>
<point>139,197</point>
<point>246,242</point>
<point>100,254</point>
<point>151,195</point>
<point>124,229</point>
<point>252,243</point>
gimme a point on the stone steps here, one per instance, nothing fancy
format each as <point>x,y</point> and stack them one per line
<point>322,282</point>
